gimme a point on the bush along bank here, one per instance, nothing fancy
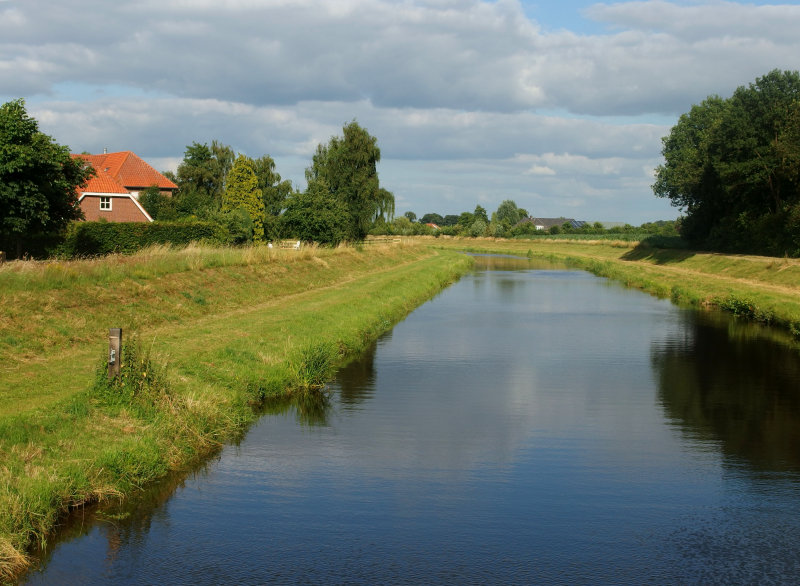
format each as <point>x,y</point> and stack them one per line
<point>180,397</point>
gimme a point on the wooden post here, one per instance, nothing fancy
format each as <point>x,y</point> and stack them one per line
<point>114,347</point>
<point>2,256</point>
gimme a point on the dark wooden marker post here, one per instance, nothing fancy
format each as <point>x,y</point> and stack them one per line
<point>114,346</point>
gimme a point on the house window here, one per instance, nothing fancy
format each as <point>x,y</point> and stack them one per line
<point>105,204</point>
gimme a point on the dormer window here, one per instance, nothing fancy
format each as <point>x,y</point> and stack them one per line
<point>105,204</point>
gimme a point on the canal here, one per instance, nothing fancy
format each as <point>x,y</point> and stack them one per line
<point>530,424</point>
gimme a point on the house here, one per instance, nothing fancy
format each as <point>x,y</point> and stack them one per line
<point>113,194</point>
<point>547,223</point>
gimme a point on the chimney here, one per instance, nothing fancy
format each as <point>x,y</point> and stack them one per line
<point>105,150</point>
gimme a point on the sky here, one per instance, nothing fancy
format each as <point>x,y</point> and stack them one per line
<point>559,106</point>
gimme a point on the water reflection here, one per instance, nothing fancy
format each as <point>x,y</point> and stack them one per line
<point>724,380</point>
<point>310,407</point>
<point>499,262</point>
<point>356,380</point>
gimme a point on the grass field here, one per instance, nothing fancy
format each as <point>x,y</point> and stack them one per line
<point>208,334</point>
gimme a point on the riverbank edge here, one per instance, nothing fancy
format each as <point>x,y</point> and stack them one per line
<point>172,430</point>
<point>738,301</point>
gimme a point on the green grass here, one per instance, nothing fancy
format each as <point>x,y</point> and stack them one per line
<point>269,325</point>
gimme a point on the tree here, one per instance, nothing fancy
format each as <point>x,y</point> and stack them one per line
<point>480,214</point>
<point>508,214</point>
<point>450,220</point>
<point>478,228</point>
<point>432,219</point>
<point>38,179</point>
<point>732,166</point>
<point>316,215</point>
<point>275,192</point>
<point>465,219</point>
<point>202,176</point>
<point>347,165</point>
<point>155,202</point>
<point>412,217</point>
<point>243,192</point>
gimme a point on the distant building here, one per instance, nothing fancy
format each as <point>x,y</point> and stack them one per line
<point>547,223</point>
<point>113,194</point>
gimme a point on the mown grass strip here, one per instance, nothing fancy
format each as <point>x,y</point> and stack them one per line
<point>198,375</point>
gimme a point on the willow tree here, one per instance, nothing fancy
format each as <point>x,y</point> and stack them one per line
<point>242,191</point>
<point>348,166</point>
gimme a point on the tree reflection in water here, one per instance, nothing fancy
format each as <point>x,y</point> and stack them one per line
<point>734,385</point>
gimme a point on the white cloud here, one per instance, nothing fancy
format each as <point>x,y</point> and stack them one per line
<point>470,100</point>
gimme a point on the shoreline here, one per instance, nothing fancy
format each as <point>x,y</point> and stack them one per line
<point>207,375</point>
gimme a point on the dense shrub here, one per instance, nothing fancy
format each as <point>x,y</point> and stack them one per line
<point>98,238</point>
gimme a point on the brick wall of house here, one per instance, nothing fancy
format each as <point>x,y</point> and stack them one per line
<point>122,210</point>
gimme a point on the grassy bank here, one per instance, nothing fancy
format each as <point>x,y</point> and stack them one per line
<point>764,289</point>
<point>208,334</point>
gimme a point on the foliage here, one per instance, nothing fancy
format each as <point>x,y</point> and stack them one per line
<point>508,214</point>
<point>98,238</point>
<point>313,365</point>
<point>203,173</point>
<point>275,192</point>
<point>140,379</point>
<point>316,215</point>
<point>432,219</point>
<point>480,214</point>
<point>242,192</point>
<point>155,203</point>
<point>449,220</point>
<point>733,166</point>
<point>465,219</point>
<point>402,226</point>
<point>238,225</point>
<point>347,166</point>
<point>412,217</point>
<point>478,228</point>
<point>38,179</point>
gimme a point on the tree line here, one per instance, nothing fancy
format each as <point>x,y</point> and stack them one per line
<point>342,200</point>
<point>247,197</point>
<point>732,165</point>
<point>508,221</point>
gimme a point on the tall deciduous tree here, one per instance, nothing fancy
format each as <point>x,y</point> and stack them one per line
<point>508,214</point>
<point>732,166</point>
<point>348,166</point>
<point>432,218</point>
<point>202,176</point>
<point>316,215</point>
<point>38,178</point>
<point>242,192</point>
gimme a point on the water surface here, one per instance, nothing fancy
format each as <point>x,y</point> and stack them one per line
<point>529,425</point>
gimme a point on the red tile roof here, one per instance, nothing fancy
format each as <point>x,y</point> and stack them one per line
<point>128,170</point>
<point>103,183</point>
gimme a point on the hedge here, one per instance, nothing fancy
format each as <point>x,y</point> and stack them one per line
<point>98,238</point>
